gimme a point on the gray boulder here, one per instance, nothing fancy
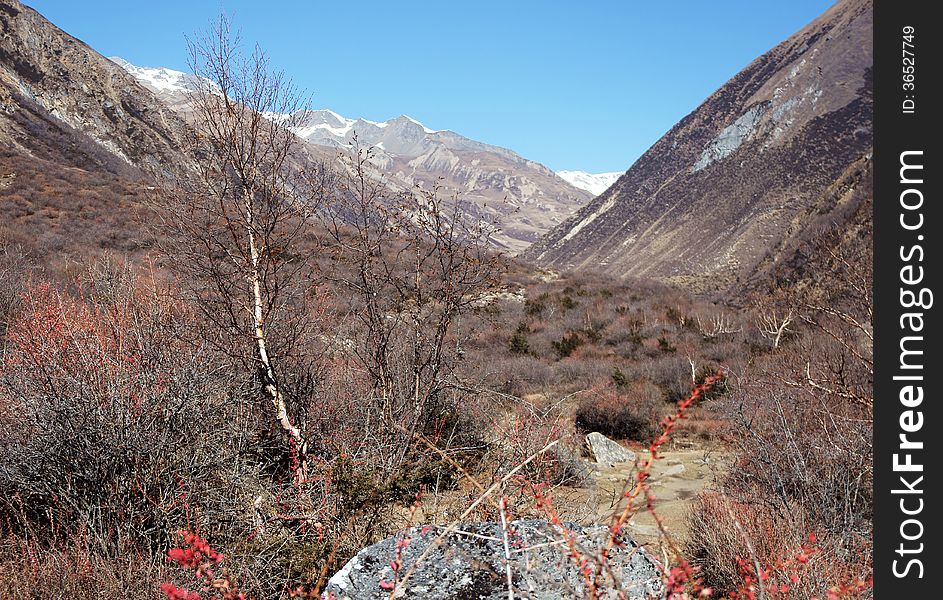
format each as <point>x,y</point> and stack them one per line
<point>469,564</point>
<point>607,452</point>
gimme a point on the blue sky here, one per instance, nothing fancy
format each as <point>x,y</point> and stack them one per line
<point>586,85</point>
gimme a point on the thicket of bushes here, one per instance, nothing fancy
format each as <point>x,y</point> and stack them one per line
<point>121,425</point>
<point>629,411</point>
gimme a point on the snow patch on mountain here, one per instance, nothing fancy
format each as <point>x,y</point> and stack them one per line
<point>424,128</point>
<point>594,183</point>
<point>162,79</point>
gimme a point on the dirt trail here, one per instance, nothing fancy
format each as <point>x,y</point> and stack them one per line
<point>677,477</point>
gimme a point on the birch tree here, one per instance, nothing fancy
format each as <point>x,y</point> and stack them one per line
<point>232,230</point>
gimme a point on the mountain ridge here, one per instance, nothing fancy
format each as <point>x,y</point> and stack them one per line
<point>709,202</point>
<point>105,103</point>
<point>526,197</point>
<point>594,183</point>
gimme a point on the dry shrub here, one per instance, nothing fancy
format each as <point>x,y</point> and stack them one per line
<point>671,373</point>
<point>517,375</point>
<point>804,468</point>
<point>533,430</point>
<point>519,430</point>
<point>803,426</point>
<point>725,532</point>
<point>798,448</point>
<point>111,424</point>
<point>718,537</point>
<point>628,412</point>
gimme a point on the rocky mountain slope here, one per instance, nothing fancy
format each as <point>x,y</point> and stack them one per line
<point>719,197</point>
<point>57,96</point>
<point>80,139</point>
<point>527,198</point>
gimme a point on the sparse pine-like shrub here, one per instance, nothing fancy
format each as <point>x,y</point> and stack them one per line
<point>620,379</point>
<point>665,345</point>
<point>567,302</point>
<point>534,307</point>
<point>568,344</point>
<point>519,343</point>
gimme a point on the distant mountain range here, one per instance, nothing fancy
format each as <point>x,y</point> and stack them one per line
<point>595,184</point>
<point>526,197</point>
<point>327,128</point>
<point>63,102</point>
<point>726,194</point>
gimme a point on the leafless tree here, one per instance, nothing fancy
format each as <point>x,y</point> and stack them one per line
<point>232,230</point>
<point>719,324</point>
<point>414,262</point>
<point>773,324</point>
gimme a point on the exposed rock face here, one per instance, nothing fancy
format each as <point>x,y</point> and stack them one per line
<point>607,452</point>
<point>723,192</point>
<point>470,565</point>
<point>79,141</point>
<point>61,99</point>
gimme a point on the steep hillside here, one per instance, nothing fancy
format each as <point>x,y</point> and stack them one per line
<point>736,181</point>
<point>79,141</point>
<point>57,94</point>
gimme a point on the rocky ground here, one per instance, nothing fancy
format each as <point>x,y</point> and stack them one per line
<point>469,562</point>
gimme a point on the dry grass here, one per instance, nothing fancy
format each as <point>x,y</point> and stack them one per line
<point>73,568</point>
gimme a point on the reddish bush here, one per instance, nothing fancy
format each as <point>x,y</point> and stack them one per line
<point>203,562</point>
<point>120,424</point>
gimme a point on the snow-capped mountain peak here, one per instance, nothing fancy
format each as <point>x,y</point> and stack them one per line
<point>424,128</point>
<point>594,183</point>
<point>161,79</point>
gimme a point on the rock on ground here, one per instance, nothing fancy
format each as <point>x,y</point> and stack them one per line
<point>607,452</point>
<point>469,564</point>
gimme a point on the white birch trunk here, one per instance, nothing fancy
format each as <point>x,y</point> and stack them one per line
<point>270,383</point>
